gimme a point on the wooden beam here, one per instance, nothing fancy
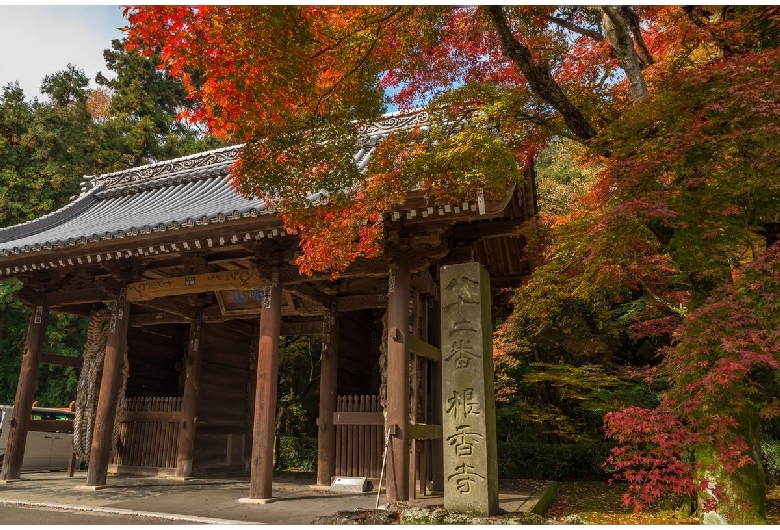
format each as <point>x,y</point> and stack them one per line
<point>214,314</point>
<point>154,319</point>
<point>51,425</point>
<point>424,282</point>
<point>175,308</point>
<point>312,294</point>
<point>422,431</point>
<point>486,229</point>
<point>423,349</point>
<point>463,254</point>
<point>28,296</point>
<point>357,302</point>
<point>361,268</point>
<point>110,385</point>
<point>61,360</point>
<point>313,327</point>
<point>80,296</point>
<point>25,393</point>
<point>152,416</point>
<point>358,418</point>
<point>244,279</point>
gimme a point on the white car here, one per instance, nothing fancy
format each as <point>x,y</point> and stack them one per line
<point>44,450</point>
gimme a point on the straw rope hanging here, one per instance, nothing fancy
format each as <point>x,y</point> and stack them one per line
<point>86,393</point>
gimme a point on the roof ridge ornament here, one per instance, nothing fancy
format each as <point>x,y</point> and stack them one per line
<point>395,121</point>
<point>149,173</point>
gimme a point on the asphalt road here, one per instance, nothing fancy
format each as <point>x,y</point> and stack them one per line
<point>22,515</point>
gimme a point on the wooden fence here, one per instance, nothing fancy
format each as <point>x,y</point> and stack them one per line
<point>149,432</point>
<point>359,423</point>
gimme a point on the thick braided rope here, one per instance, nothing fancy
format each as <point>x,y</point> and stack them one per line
<point>86,393</point>
<point>120,403</point>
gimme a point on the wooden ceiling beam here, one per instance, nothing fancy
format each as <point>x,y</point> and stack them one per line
<point>245,279</point>
<point>61,360</point>
<point>311,294</point>
<point>486,229</point>
<point>356,302</point>
<point>424,282</point>
<point>172,307</point>
<point>83,296</point>
<point>138,320</point>
<point>311,327</point>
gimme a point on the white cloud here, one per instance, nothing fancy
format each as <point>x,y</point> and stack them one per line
<point>39,40</point>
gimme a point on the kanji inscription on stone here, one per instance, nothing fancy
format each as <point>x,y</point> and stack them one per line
<point>468,404</point>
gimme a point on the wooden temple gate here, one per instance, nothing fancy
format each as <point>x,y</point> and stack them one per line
<point>207,278</point>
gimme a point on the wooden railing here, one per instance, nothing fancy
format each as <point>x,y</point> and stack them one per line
<point>149,432</point>
<point>359,422</point>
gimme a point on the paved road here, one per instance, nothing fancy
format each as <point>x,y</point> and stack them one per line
<point>20,515</point>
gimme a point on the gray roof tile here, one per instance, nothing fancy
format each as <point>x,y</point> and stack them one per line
<point>180,192</point>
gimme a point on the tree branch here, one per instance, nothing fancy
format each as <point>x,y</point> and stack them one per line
<point>632,19</point>
<point>540,80</point>
<point>565,24</point>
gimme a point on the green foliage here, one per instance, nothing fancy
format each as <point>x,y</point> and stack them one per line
<point>560,403</point>
<point>299,376</point>
<point>45,149</point>
<point>65,335</point>
<point>142,125</point>
<point>297,453</point>
<point>770,453</point>
<point>580,461</point>
<point>14,318</point>
<point>562,177</point>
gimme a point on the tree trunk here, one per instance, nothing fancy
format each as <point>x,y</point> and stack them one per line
<point>618,34</point>
<point>745,487</point>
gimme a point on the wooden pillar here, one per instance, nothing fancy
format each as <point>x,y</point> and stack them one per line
<point>398,382</point>
<point>326,432</point>
<point>25,393</point>
<point>437,446</point>
<point>250,397</point>
<point>414,397</point>
<point>192,367</point>
<point>110,385</point>
<point>261,475</point>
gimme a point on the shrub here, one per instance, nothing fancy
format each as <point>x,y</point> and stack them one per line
<point>297,453</point>
<point>770,452</point>
<point>581,461</point>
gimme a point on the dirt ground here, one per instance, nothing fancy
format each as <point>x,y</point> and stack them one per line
<point>601,503</point>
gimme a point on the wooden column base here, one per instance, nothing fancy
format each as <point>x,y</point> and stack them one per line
<point>247,500</point>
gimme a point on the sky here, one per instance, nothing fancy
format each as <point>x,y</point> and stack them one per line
<point>39,40</point>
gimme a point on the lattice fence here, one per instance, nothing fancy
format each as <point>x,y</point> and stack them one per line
<point>359,442</point>
<point>149,432</point>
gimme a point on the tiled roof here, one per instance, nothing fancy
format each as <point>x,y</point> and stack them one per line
<point>188,191</point>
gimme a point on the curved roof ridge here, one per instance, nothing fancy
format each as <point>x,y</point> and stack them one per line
<point>165,168</point>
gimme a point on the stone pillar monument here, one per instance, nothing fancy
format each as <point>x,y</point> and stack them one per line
<point>468,404</point>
